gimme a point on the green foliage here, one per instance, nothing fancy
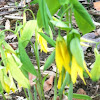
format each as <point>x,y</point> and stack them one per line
<point>95,72</point>
<point>60,24</point>
<point>82,17</point>
<point>49,60</point>
<point>70,92</point>
<point>80,96</point>
<point>1,88</point>
<point>48,39</point>
<point>27,64</point>
<point>77,51</point>
<point>27,32</point>
<point>63,2</point>
<point>52,8</point>
<point>16,72</point>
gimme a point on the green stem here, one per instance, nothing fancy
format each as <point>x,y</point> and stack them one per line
<point>25,94</point>
<point>31,12</point>
<point>36,52</point>
<point>71,16</point>
<point>55,86</point>
<point>65,11</point>
<point>62,75</point>
<point>38,63</point>
<point>8,30</point>
<point>30,95</point>
<point>67,18</point>
<point>35,93</point>
<point>4,98</point>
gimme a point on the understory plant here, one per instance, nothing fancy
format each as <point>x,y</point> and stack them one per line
<point>15,65</point>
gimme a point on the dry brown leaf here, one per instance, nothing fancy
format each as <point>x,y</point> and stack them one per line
<point>97,33</point>
<point>7,24</point>
<point>48,84</point>
<point>63,98</point>
<point>97,5</point>
<point>80,91</point>
<point>31,79</point>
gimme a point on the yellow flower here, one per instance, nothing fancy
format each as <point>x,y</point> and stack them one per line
<point>61,79</point>
<point>43,44</point>
<point>77,70</point>
<point>62,56</point>
<point>7,82</point>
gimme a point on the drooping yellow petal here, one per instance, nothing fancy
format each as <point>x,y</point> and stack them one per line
<point>76,70</point>
<point>87,69</point>
<point>58,57</point>
<point>80,73</point>
<point>6,88</point>
<point>43,44</point>
<point>59,81</point>
<point>73,71</point>
<point>66,56</point>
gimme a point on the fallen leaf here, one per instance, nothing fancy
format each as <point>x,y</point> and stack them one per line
<point>13,46</point>
<point>7,24</point>
<point>65,97</point>
<point>48,84</point>
<point>80,91</point>
<point>97,5</point>
<point>31,79</point>
<point>97,33</point>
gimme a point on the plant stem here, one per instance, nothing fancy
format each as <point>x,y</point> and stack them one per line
<point>55,86</point>
<point>35,93</point>
<point>30,95</point>
<point>38,64</point>
<point>4,98</point>
<point>62,74</point>
<point>25,94</point>
<point>39,72</point>
<point>31,13</point>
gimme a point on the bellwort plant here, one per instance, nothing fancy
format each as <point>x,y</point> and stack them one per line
<point>67,54</point>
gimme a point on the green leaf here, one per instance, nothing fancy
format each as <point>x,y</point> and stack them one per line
<point>80,96</point>
<point>60,24</point>
<point>49,60</point>
<point>4,59</point>
<point>2,37</point>
<point>74,33</point>
<point>63,2</point>
<point>44,16</point>
<point>16,72</point>
<point>44,78</point>
<point>27,64</point>
<point>53,6</point>
<point>77,51</point>
<point>70,92</point>
<point>33,2</point>
<point>2,76</point>
<point>24,72</point>
<point>82,17</point>
<point>1,88</point>
<point>28,31</point>
<point>95,72</point>
<point>67,81</point>
<point>48,39</point>
<point>8,47</point>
